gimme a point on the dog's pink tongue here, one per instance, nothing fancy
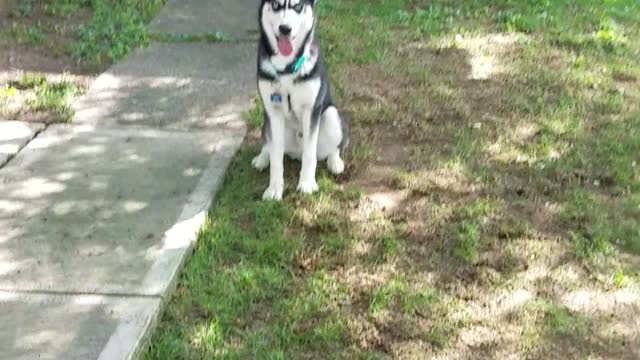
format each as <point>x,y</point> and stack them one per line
<point>285,46</point>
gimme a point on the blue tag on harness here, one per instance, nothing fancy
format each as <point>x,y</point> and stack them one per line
<point>276,98</point>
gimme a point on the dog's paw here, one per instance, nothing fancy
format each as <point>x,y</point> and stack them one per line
<point>307,187</point>
<point>273,193</point>
<point>260,162</point>
<point>335,165</point>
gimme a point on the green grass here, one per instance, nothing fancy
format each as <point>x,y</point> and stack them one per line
<point>467,241</point>
<point>398,292</point>
<point>115,28</point>
<point>255,115</point>
<point>548,322</point>
<point>44,96</point>
<point>206,37</point>
<point>7,92</point>
<point>64,8</point>
<point>30,80</point>
<point>27,34</point>
<point>503,198</point>
<point>94,32</point>
<point>54,97</point>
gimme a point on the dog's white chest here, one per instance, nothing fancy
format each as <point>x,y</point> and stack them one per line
<point>289,98</point>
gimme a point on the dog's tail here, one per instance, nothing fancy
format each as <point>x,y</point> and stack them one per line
<point>345,125</point>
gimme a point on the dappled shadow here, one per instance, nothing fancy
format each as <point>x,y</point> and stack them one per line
<point>87,211</point>
<point>443,121</point>
<point>173,86</point>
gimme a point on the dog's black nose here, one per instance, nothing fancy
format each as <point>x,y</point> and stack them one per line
<point>285,29</point>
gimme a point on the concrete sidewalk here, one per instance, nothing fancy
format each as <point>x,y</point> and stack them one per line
<point>97,217</point>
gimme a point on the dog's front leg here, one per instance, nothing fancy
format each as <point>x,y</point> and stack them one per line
<point>276,160</point>
<point>276,154</point>
<point>307,183</point>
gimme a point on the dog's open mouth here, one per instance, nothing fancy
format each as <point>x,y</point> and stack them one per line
<point>285,45</point>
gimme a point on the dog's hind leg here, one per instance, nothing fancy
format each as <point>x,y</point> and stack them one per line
<point>310,133</point>
<point>261,161</point>
<point>331,139</point>
<point>291,147</point>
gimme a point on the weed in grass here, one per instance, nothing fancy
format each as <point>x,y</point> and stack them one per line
<point>610,35</point>
<point>208,337</point>
<point>7,92</point>
<point>25,7</point>
<point>335,243</point>
<point>387,245</point>
<point>327,185</point>
<point>545,322</point>
<point>409,299</point>
<point>620,279</point>
<point>255,115</point>
<point>440,334</point>
<point>478,208</point>
<point>329,223</point>
<point>560,321</point>
<point>432,19</point>
<point>352,194</point>
<point>386,294</point>
<point>448,319</point>
<point>403,179</point>
<point>366,355</point>
<point>578,207</point>
<point>185,38</point>
<point>27,34</point>
<point>518,22</point>
<point>29,80</point>
<point>54,97</point>
<point>65,8</point>
<point>331,331</point>
<point>326,6</point>
<point>467,241</point>
<point>320,296</point>
<point>588,246</point>
<point>46,96</point>
<point>360,152</point>
<point>595,231</point>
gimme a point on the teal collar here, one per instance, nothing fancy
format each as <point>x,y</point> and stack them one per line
<point>298,64</point>
<point>293,67</point>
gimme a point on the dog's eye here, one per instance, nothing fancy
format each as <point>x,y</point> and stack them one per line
<point>298,8</point>
<point>276,6</point>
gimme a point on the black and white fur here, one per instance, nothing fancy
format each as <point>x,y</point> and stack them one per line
<point>305,124</point>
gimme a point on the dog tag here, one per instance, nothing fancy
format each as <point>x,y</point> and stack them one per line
<point>276,98</point>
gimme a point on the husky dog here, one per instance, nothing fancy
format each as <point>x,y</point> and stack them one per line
<point>300,118</point>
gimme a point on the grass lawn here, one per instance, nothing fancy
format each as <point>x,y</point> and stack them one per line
<point>490,208</point>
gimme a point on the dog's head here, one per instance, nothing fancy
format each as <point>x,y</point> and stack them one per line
<point>286,24</point>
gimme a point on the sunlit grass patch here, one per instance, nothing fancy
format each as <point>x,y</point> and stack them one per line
<point>50,99</point>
